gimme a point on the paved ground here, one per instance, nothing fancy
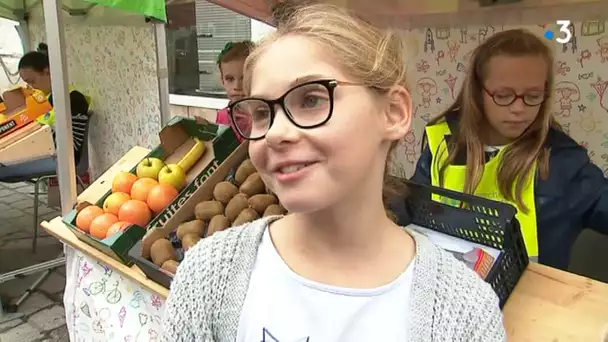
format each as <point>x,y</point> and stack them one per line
<point>44,317</point>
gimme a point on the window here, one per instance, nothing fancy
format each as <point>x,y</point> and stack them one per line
<point>196,33</point>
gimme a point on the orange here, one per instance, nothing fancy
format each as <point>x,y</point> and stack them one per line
<point>101,224</point>
<point>86,216</point>
<point>123,182</point>
<point>136,212</point>
<point>161,196</point>
<point>142,187</point>
<point>117,227</point>
<point>114,202</point>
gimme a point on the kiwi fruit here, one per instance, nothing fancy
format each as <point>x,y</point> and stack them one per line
<point>206,210</point>
<point>161,251</point>
<point>224,191</point>
<point>189,240</point>
<point>235,206</point>
<point>217,223</point>
<point>274,209</point>
<point>243,171</point>
<point>260,202</point>
<point>247,215</point>
<point>170,266</point>
<point>196,227</point>
<point>253,185</point>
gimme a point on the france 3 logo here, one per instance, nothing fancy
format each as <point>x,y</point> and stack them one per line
<point>565,29</point>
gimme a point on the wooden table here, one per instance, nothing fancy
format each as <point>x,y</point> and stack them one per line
<point>547,304</point>
<point>552,305</point>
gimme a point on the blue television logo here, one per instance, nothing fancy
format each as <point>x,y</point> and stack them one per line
<point>564,28</point>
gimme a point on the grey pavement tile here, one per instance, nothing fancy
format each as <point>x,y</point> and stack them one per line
<point>21,333</point>
<point>34,303</point>
<point>12,213</point>
<point>58,335</point>
<point>6,192</point>
<point>21,234</point>
<point>25,244</point>
<point>26,204</point>
<point>14,197</point>
<point>9,229</point>
<point>10,324</point>
<point>15,185</point>
<point>61,270</point>
<point>43,209</point>
<point>25,221</point>
<point>15,288</point>
<point>27,189</point>
<point>48,319</point>
<point>54,283</point>
<point>57,297</point>
<point>48,248</point>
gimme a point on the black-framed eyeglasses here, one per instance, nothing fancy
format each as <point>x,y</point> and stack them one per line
<point>505,98</point>
<point>307,105</point>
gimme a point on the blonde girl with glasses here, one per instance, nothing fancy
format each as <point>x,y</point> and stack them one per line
<point>327,103</point>
<point>499,140</point>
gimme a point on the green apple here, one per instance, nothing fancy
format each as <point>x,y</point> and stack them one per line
<point>173,175</point>
<point>149,168</point>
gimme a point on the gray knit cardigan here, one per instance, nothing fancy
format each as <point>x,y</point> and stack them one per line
<point>449,301</point>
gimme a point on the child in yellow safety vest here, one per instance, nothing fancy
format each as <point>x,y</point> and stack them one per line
<point>499,140</point>
<point>34,69</point>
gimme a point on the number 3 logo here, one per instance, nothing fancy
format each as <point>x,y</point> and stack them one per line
<point>564,27</point>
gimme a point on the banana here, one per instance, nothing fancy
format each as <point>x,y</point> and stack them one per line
<point>195,153</point>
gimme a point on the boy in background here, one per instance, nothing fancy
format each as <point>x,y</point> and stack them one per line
<point>230,62</point>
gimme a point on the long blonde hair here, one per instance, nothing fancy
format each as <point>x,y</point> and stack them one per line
<point>520,156</point>
<point>368,54</point>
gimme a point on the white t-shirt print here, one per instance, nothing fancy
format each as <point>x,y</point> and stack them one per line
<point>282,306</point>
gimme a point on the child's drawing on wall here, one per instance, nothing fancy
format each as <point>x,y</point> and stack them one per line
<point>567,92</point>
<point>601,88</point>
<point>588,122</point>
<point>427,87</point>
<point>602,42</point>
<point>453,48</point>
<point>410,147</point>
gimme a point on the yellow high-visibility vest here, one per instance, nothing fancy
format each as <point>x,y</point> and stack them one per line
<point>49,118</point>
<point>455,175</point>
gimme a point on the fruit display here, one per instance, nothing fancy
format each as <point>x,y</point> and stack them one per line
<point>241,199</point>
<point>236,202</point>
<point>155,170</point>
<point>135,199</point>
<point>195,153</point>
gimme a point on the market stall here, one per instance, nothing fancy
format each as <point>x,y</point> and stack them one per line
<point>108,299</point>
<point>547,304</point>
<point>40,136</point>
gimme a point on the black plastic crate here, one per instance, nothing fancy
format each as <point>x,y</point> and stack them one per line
<point>476,219</point>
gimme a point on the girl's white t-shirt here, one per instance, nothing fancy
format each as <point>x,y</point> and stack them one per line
<point>282,306</point>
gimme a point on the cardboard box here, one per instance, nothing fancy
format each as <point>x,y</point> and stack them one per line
<point>176,141</point>
<point>185,213</point>
<point>31,142</point>
<point>20,113</point>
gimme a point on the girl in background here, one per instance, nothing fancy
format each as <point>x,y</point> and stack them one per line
<point>337,268</point>
<point>34,69</point>
<point>499,140</point>
<point>230,62</point>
